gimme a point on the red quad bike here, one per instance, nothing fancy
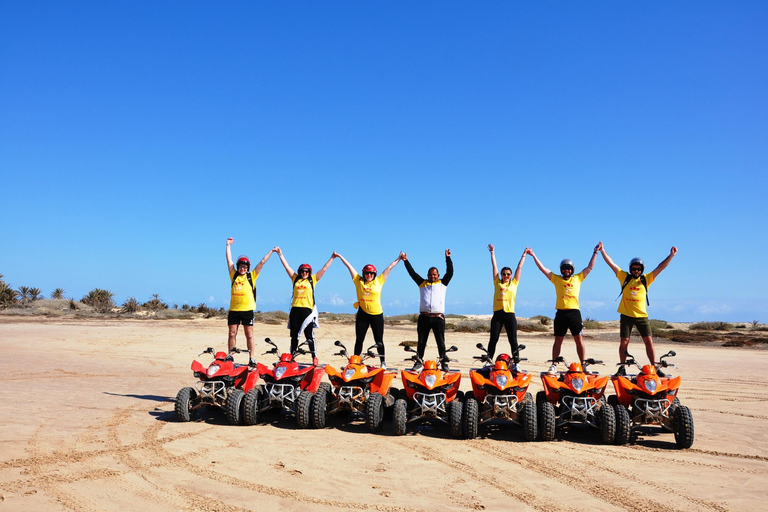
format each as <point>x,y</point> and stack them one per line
<point>362,390</point>
<point>574,397</point>
<point>222,384</point>
<point>647,399</point>
<point>499,396</point>
<point>429,395</point>
<point>288,386</point>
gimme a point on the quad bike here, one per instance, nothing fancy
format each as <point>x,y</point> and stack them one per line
<point>288,386</point>
<point>647,399</point>
<point>499,395</point>
<point>359,389</point>
<point>429,395</point>
<point>222,384</point>
<point>575,396</point>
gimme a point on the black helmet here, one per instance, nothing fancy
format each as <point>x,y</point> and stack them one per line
<point>566,264</point>
<point>638,263</point>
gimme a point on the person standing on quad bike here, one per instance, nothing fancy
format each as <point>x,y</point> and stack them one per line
<point>634,299</point>
<point>568,315</point>
<point>431,307</point>
<point>505,292</point>
<point>242,302</point>
<point>303,315</point>
<point>369,312</point>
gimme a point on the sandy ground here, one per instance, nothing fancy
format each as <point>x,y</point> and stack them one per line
<point>88,424</point>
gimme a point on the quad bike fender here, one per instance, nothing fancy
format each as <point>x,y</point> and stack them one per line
<point>478,381</point>
<point>332,372</point>
<point>383,381</point>
<point>552,387</point>
<point>197,367</point>
<point>599,384</point>
<point>624,389</point>
<point>250,380</point>
<point>263,369</point>
<point>313,378</point>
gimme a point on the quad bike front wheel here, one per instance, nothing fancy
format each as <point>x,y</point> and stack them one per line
<point>546,417</point>
<point>251,406</point>
<point>455,412</point>
<point>623,424</point>
<point>374,412</point>
<point>185,399</point>
<point>304,409</point>
<point>606,420</point>
<point>471,414</point>
<point>683,423</point>
<point>234,406</point>
<point>400,416</point>
<point>319,408</point>
<point>530,430</point>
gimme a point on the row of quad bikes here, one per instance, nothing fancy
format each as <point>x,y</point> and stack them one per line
<point>643,402</point>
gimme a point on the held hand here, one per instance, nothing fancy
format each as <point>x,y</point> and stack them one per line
<point>335,254</point>
<point>403,256</point>
<point>528,251</point>
<point>491,247</point>
<point>447,253</point>
<point>278,251</point>
<point>230,241</point>
<point>599,247</point>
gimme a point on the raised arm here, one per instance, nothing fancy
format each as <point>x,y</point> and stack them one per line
<point>390,267</point>
<point>325,267</point>
<point>411,272</point>
<point>287,267</point>
<point>592,260</point>
<point>544,270</point>
<point>608,259</point>
<point>492,249</point>
<point>519,268</point>
<point>258,268</point>
<point>448,268</point>
<point>230,263</point>
<point>351,269</point>
<point>664,263</point>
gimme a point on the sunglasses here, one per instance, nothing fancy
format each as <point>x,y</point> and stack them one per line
<point>304,270</point>
<point>635,269</point>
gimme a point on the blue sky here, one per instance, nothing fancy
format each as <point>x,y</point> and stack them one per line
<point>135,137</point>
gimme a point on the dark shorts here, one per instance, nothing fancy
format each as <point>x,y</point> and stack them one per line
<point>240,317</point>
<point>568,319</point>
<point>643,326</point>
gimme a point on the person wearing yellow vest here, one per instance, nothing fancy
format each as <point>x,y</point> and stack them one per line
<point>504,294</point>
<point>634,299</point>
<point>369,312</point>
<point>303,306</point>
<point>568,315</point>
<point>242,302</point>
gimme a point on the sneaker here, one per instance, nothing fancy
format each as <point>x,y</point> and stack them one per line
<point>251,362</point>
<point>622,371</point>
<point>417,367</point>
<point>383,366</point>
<point>660,373</point>
<point>444,367</point>
<point>553,368</point>
<point>515,368</point>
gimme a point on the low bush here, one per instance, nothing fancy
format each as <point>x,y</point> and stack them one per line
<point>711,326</point>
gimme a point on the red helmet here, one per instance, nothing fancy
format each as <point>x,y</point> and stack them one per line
<point>243,259</point>
<point>369,268</point>
<point>304,266</point>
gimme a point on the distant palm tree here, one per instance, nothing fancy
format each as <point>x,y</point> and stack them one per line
<point>8,296</point>
<point>35,294</point>
<point>24,294</point>
<point>58,293</point>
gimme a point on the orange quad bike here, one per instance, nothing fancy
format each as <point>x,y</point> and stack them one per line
<point>499,395</point>
<point>646,400</point>
<point>574,397</point>
<point>429,395</point>
<point>288,387</point>
<point>359,389</point>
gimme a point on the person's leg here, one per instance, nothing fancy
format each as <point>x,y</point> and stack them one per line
<point>556,346</point>
<point>362,321</point>
<point>248,330</point>
<point>422,334</point>
<point>438,329</point>
<point>623,345</point>
<point>510,325</point>
<point>496,324</point>
<point>377,328</point>
<point>295,318</point>
<point>579,347</point>
<point>649,350</point>
<point>232,336</point>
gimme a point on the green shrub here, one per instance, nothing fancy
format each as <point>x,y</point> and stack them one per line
<point>155,304</point>
<point>58,293</point>
<point>100,300</point>
<point>530,327</point>
<point>591,323</point>
<point>131,305</point>
<point>543,320</point>
<point>408,343</point>
<point>473,326</point>
<point>710,326</point>
<point>8,296</point>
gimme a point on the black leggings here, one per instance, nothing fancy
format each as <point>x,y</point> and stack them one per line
<point>296,318</point>
<point>376,322</point>
<point>509,322</point>
<point>437,325</point>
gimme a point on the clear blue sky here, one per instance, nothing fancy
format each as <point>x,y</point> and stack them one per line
<point>135,137</point>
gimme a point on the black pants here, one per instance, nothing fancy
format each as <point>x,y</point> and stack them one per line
<point>509,322</point>
<point>437,325</point>
<point>296,318</point>
<point>376,322</point>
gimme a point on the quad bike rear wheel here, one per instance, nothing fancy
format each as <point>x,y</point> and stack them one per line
<point>234,406</point>
<point>400,416</point>
<point>455,412</point>
<point>606,420</point>
<point>683,423</point>
<point>530,430</point>
<point>546,417</point>
<point>470,418</point>
<point>251,406</point>
<point>185,399</point>
<point>623,424</point>
<point>374,412</point>
<point>320,407</point>
<point>304,409</point>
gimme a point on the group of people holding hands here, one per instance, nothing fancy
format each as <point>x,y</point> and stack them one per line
<point>432,290</point>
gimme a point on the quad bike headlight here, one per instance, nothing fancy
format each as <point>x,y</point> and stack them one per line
<point>430,379</point>
<point>213,369</point>
<point>349,373</point>
<point>279,372</point>
<point>650,386</point>
<point>501,380</point>
<point>577,384</point>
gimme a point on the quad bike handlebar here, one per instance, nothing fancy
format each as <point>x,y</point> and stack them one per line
<point>489,361</point>
<point>662,363</point>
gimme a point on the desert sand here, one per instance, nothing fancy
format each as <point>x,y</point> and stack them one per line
<point>88,424</point>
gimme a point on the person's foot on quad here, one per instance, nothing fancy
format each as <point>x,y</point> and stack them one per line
<point>417,366</point>
<point>315,362</point>
<point>383,365</point>
<point>553,368</point>
<point>660,373</point>
<point>622,372</point>
<point>251,362</point>
<point>444,367</point>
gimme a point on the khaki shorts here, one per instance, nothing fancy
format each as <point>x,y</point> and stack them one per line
<point>643,326</point>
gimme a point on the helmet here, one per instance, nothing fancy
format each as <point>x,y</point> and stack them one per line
<point>369,268</point>
<point>566,264</point>
<point>243,259</point>
<point>638,263</point>
<point>304,266</point>
<point>504,357</point>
